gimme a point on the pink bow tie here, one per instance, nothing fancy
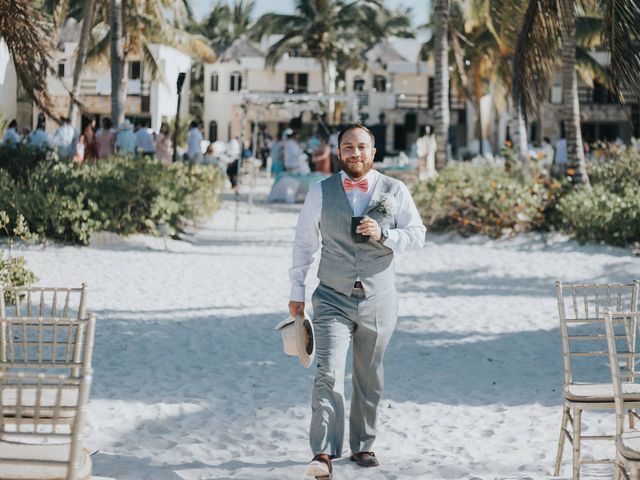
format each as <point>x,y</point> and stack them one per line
<point>350,185</point>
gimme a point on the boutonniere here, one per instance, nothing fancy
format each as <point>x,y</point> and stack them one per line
<point>386,204</point>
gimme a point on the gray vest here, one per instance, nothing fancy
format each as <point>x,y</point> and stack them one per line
<point>342,261</point>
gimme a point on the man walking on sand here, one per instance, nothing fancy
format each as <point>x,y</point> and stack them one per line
<point>356,299</point>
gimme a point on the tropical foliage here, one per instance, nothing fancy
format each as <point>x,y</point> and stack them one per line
<point>546,20</point>
<point>496,201</point>
<point>331,30</point>
<point>23,29</point>
<point>68,202</point>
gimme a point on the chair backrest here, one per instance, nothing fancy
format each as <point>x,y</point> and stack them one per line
<point>622,334</point>
<point>28,301</point>
<point>49,345</point>
<point>581,310</point>
<point>40,413</point>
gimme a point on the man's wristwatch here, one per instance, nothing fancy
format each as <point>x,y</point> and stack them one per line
<point>384,234</point>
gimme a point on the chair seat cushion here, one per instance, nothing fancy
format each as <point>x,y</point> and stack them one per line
<point>599,392</point>
<point>630,444</point>
<point>22,470</point>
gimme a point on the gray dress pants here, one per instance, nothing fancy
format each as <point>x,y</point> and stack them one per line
<point>339,320</point>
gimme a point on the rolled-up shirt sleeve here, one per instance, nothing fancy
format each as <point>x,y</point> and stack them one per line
<point>409,232</point>
<point>306,243</point>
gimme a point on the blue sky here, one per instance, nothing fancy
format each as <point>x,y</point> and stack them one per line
<point>419,7</point>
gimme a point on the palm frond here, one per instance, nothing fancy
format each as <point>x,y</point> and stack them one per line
<point>281,47</point>
<point>590,69</point>
<point>589,31</point>
<point>621,35</point>
<point>534,54</point>
<point>23,30</point>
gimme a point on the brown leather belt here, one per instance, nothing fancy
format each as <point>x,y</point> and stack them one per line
<point>358,284</point>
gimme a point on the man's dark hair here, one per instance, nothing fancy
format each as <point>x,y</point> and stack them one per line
<point>106,122</point>
<point>353,126</point>
<point>13,123</point>
<point>193,124</point>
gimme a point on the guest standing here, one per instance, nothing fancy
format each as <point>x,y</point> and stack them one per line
<point>105,143</point>
<point>163,144</point>
<point>90,149</point>
<point>11,136</point>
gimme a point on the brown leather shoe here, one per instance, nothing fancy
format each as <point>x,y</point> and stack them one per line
<point>365,459</point>
<point>319,467</point>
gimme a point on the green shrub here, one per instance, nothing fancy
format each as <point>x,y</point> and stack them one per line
<point>486,199</point>
<point>66,201</point>
<point>14,273</point>
<point>20,160</point>
<point>602,215</point>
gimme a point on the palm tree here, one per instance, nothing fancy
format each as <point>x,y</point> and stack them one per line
<point>223,25</point>
<point>548,19</point>
<point>118,62</point>
<point>323,29</point>
<point>130,27</point>
<point>81,56</point>
<point>227,23</point>
<point>23,29</point>
<point>441,80</point>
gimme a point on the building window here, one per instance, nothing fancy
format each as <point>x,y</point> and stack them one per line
<point>296,83</point>
<point>358,84</point>
<point>134,70</point>
<point>235,82</point>
<point>61,69</point>
<point>379,83</point>
<point>431,88</point>
<point>214,82</point>
<point>213,130</point>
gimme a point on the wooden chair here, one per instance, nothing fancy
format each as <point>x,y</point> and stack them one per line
<point>43,301</point>
<point>45,377</point>
<point>627,439</point>
<point>42,422</point>
<point>586,383</point>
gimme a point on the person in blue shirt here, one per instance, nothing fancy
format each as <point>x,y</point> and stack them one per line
<point>11,136</point>
<point>40,137</point>
<point>65,139</point>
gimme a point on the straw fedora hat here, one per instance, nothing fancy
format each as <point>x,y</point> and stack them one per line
<point>298,338</point>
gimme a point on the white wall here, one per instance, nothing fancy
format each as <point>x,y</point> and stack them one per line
<point>8,85</point>
<point>223,106</point>
<point>164,93</point>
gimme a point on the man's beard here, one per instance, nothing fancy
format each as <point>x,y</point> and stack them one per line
<point>355,174</point>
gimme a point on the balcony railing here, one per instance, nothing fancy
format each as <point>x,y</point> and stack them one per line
<point>411,101</point>
<point>102,86</point>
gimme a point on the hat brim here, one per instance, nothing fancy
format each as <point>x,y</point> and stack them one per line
<point>305,340</point>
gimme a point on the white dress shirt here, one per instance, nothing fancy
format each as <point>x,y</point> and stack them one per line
<point>409,232</point>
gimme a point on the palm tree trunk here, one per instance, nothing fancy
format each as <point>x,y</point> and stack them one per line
<point>118,64</point>
<point>441,81</point>
<point>571,106</point>
<point>87,23</point>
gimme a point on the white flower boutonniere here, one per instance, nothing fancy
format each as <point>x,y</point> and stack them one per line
<point>386,204</point>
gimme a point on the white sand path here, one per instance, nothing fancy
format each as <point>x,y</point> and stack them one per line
<point>191,382</point>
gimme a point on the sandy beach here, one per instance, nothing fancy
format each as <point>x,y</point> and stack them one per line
<point>191,381</point>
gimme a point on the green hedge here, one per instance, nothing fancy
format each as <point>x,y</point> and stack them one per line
<point>489,200</point>
<point>66,201</point>
<point>610,213</point>
<point>486,199</point>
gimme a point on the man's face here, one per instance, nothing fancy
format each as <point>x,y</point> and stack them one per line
<point>356,153</point>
